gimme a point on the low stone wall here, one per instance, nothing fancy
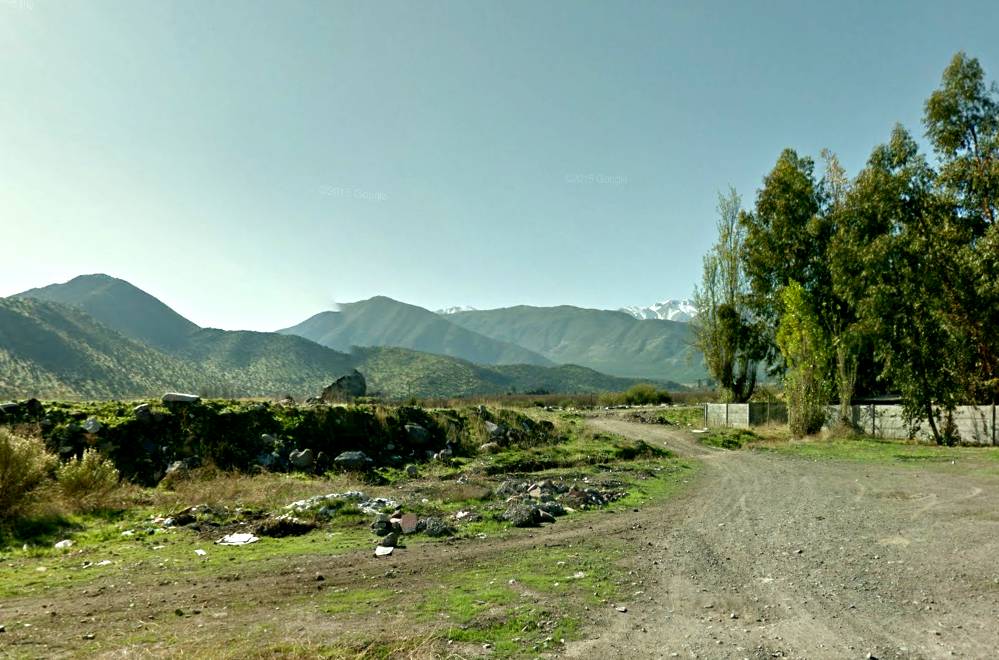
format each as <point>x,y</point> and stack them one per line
<point>976,425</point>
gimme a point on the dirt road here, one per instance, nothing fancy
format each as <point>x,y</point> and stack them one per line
<point>776,556</point>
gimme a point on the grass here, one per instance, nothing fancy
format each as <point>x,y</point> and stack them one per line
<point>728,438</point>
<point>879,450</point>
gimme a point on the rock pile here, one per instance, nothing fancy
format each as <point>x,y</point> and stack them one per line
<point>530,504</point>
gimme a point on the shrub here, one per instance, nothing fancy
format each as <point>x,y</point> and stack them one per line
<point>87,481</point>
<point>24,465</point>
<point>642,394</point>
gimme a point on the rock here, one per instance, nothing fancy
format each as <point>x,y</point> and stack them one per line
<point>435,527</point>
<point>345,388</point>
<point>522,515</point>
<point>553,508</point>
<point>382,551</point>
<point>266,460</point>
<point>417,435</point>
<point>176,468</point>
<point>412,471</point>
<point>64,544</point>
<point>320,577</point>
<point>142,412</point>
<point>3,629</point>
<point>409,523</point>
<point>91,425</point>
<point>510,487</point>
<point>495,431</point>
<point>443,454</point>
<point>490,448</point>
<point>622,609</point>
<point>269,440</point>
<point>390,540</point>
<point>303,459</point>
<point>178,397</point>
<point>8,408</point>
<point>34,407</point>
<point>237,539</point>
<point>382,525</point>
<point>544,516</point>
<point>282,526</point>
<point>353,460</point>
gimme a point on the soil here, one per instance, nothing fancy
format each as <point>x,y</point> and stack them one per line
<point>766,555</point>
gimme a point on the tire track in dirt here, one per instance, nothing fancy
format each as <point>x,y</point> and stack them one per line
<point>805,555</point>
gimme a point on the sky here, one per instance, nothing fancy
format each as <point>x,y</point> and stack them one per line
<point>252,163</point>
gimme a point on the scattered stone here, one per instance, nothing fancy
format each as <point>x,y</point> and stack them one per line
<point>391,540</point>
<point>91,425</point>
<point>64,544</point>
<point>345,388</point>
<point>353,460</point>
<point>244,538</point>
<point>622,609</point>
<point>178,397</point>
<point>382,525</point>
<point>522,515</point>
<point>302,459</point>
<point>553,508</point>
<point>3,628</point>
<point>495,431</point>
<point>412,471</point>
<point>435,527</point>
<point>89,636</point>
<point>409,523</point>
<point>320,577</point>
<point>490,448</point>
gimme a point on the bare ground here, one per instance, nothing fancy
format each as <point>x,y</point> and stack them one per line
<point>765,556</point>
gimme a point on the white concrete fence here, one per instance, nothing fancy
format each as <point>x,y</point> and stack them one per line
<point>976,425</point>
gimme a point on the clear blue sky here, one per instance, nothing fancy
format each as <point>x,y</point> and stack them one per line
<point>251,162</point>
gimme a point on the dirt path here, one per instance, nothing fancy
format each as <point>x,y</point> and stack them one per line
<point>775,556</point>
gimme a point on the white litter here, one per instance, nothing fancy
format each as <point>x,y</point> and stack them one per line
<point>200,552</point>
<point>382,551</point>
<point>128,532</point>
<point>106,562</point>
<point>698,430</point>
<point>62,545</point>
<point>242,538</point>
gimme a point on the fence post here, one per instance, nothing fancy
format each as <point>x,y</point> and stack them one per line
<point>705,415</point>
<point>993,424</point>
<point>874,428</point>
<point>726,415</point>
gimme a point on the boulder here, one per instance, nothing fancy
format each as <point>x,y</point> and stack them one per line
<point>8,408</point>
<point>34,407</point>
<point>302,460</point>
<point>390,540</point>
<point>177,468</point>
<point>412,471</point>
<point>490,448</point>
<point>178,397</point>
<point>418,435</point>
<point>345,388</point>
<point>91,425</point>
<point>436,527</point>
<point>553,508</point>
<point>519,514</point>
<point>382,525</point>
<point>494,430</point>
<point>353,460</point>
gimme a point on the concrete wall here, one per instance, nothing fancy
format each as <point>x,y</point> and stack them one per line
<point>976,425</point>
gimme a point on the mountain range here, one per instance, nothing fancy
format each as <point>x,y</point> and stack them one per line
<point>668,310</point>
<point>97,336</point>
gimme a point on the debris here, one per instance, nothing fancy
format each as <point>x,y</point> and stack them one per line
<point>62,545</point>
<point>382,551</point>
<point>237,539</point>
<point>285,525</point>
<point>200,552</point>
<point>621,608</point>
<point>435,527</point>
<point>91,425</point>
<point>409,523</point>
<point>105,562</point>
<point>390,541</point>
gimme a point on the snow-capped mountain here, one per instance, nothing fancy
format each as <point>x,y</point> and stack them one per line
<point>455,310</point>
<point>667,310</point>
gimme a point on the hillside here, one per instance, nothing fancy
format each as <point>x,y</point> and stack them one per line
<point>611,342</point>
<point>54,351</point>
<point>382,321</point>
<point>401,373</point>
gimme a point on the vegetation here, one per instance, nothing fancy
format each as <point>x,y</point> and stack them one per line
<point>24,465</point>
<point>892,274</point>
<point>723,325</point>
<point>86,481</point>
<point>643,394</point>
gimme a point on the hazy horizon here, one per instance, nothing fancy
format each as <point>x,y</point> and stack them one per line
<point>251,163</point>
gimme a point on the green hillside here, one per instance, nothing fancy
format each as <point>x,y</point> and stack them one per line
<point>401,373</point>
<point>382,321</point>
<point>54,351</point>
<point>611,342</point>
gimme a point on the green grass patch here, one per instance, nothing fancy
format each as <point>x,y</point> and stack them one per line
<point>727,438</point>
<point>878,450</point>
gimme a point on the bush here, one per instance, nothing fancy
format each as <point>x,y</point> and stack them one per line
<point>87,481</point>
<point>24,465</point>
<point>643,394</point>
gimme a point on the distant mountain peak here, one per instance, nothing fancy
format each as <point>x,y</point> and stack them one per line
<point>682,310</point>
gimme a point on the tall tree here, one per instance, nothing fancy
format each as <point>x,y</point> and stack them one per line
<point>805,346</point>
<point>962,123</point>
<point>723,330</point>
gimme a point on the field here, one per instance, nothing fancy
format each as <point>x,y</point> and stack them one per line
<point>750,547</point>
